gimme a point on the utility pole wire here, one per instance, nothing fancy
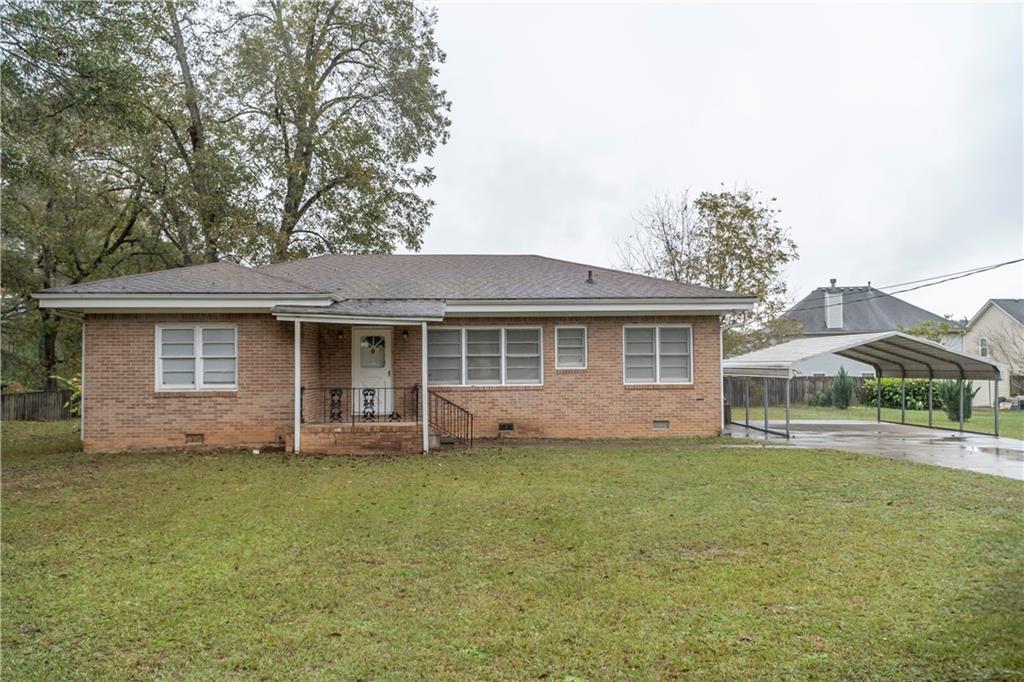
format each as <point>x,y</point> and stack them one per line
<point>947,278</point>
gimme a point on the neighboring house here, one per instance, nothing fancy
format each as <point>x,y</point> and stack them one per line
<point>996,332</point>
<point>330,354</point>
<point>854,310</point>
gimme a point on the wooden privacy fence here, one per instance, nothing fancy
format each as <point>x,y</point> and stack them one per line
<point>41,406</point>
<point>800,389</point>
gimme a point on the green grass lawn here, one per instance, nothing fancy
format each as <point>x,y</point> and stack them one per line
<point>567,561</point>
<point>1011,423</point>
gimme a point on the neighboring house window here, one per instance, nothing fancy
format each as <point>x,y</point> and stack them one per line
<point>983,347</point>
<point>196,357</point>
<point>490,356</point>
<point>657,355</point>
<point>570,347</point>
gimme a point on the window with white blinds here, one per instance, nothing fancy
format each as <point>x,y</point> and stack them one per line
<point>483,356</point>
<point>657,354</point>
<point>570,347</point>
<point>194,357</point>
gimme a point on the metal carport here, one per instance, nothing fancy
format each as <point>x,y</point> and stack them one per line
<point>892,354</point>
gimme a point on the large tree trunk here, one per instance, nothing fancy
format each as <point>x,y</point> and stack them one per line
<point>209,214</point>
<point>48,337</point>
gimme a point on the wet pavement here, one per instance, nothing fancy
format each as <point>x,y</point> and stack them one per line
<point>984,454</point>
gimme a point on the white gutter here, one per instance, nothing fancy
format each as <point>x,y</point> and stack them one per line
<point>598,306</point>
<point>349,319</point>
<point>118,302</point>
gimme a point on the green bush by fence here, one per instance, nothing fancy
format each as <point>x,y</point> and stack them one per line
<point>917,394</point>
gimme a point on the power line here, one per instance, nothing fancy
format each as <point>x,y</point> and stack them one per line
<point>960,272</point>
<point>946,278</point>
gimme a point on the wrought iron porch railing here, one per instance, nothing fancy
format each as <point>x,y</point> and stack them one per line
<point>358,405</point>
<point>451,419</point>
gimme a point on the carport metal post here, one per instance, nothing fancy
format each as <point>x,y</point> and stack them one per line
<point>961,403</point>
<point>746,400</point>
<point>996,405</point>
<point>787,407</point>
<point>929,401</point>
<point>903,399</point>
<point>766,407</point>
<point>878,398</point>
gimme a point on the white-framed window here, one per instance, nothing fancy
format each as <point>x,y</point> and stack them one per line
<point>570,347</point>
<point>660,354</point>
<point>484,356</point>
<point>196,357</point>
<point>983,347</point>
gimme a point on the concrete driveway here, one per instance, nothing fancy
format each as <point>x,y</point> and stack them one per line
<point>984,454</point>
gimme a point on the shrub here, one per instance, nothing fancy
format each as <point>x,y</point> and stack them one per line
<point>950,393</point>
<point>819,399</point>
<point>917,394</point>
<point>842,390</point>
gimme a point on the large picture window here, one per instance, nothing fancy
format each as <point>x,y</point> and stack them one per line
<point>484,356</point>
<point>657,355</point>
<point>196,357</point>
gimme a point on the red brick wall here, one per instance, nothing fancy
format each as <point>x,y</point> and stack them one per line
<point>594,402</point>
<point>124,411</point>
<point>361,439</point>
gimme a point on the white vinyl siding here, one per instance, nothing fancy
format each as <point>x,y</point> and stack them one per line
<point>196,357</point>
<point>570,347</point>
<point>657,355</point>
<point>484,356</point>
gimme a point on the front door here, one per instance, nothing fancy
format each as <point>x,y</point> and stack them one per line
<point>371,373</point>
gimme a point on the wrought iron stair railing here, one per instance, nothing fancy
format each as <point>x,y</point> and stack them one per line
<point>451,419</point>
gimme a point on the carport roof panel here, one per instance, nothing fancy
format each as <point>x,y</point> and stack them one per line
<point>894,354</point>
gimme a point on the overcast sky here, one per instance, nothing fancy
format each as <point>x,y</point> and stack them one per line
<point>891,134</point>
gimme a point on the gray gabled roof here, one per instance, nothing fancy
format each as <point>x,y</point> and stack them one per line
<point>865,309</point>
<point>1014,307</point>
<point>406,277</point>
<point>893,353</point>
<point>479,277</point>
<point>211,278</point>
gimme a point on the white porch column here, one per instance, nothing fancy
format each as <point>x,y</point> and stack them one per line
<point>423,390</point>
<point>81,390</point>
<point>297,437</point>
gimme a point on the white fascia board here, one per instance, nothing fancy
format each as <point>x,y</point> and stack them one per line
<point>176,302</point>
<point>598,307</point>
<point>341,319</point>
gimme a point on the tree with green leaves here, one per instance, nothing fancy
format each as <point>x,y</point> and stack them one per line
<point>932,331</point>
<point>728,240</point>
<point>153,134</point>
<point>342,103</point>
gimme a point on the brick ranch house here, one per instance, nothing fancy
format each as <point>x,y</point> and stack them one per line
<point>331,354</point>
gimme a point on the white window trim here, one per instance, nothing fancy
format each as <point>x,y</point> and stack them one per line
<point>504,379</point>
<point>558,328</point>
<point>983,345</point>
<point>197,339</point>
<point>657,355</point>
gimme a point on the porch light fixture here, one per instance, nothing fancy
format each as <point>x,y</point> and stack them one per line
<point>341,334</point>
<point>405,333</point>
